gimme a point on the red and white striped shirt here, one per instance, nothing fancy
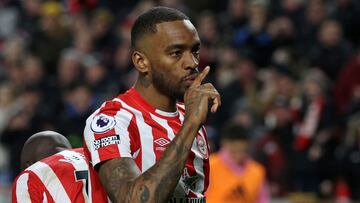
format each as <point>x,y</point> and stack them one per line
<point>62,177</point>
<point>128,126</point>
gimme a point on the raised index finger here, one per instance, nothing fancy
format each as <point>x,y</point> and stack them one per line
<point>200,77</point>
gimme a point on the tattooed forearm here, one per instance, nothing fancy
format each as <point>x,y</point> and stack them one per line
<point>123,182</point>
<point>173,160</point>
<point>116,173</point>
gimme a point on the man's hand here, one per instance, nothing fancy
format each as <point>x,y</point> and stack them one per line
<point>197,99</point>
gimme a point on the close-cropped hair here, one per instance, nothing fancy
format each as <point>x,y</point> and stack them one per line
<point>146,23</point>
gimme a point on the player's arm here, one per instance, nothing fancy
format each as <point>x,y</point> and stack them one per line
<point>121,177</point>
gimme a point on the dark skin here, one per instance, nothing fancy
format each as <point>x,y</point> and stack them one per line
<point>42,145</point>
<point>170,56</point>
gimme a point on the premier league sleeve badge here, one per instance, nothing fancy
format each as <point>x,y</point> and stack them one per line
<point>102,123</point>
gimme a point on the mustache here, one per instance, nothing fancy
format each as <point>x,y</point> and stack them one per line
<point>192,75</point>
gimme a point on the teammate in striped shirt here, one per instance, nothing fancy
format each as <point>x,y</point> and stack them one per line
<point>142,143</point>
<point>60,177</point>
<point>42,145</point>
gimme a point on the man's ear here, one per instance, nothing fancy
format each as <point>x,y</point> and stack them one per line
<point>140,62</point>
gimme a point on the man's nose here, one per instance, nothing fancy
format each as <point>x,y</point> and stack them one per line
<point>191,61</point>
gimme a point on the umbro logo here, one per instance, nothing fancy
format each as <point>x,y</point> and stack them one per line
<point>162,142</point>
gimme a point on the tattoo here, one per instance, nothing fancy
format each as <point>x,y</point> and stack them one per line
<point>114,175</point>
<point>144,194</point>
<point>123,182</point>
<point>171,176</point>
<point>196,102</point>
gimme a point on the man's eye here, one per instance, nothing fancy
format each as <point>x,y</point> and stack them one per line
<point>196,53</point>
<point>175,53</point>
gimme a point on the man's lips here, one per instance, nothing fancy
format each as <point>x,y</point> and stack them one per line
<point>190,77</point>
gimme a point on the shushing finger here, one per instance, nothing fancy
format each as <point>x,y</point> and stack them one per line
<point>200,77</point>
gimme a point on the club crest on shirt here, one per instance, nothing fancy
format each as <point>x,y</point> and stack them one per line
<point>187,181</point>
<point>102,123</point>
<point>201,144</point>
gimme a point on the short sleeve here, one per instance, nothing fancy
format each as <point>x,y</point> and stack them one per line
<point>107,134</point>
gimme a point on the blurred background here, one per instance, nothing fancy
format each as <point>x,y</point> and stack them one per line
<point>288,71</point>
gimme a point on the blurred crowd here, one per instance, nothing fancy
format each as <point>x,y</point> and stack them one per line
<point>287,70</point>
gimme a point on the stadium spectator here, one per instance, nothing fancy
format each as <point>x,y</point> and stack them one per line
<point>314,134</point>
<point>53,31</point>
<point>26,120</point>
<point>103,40</point>
<point>315,14</point>
<point>252,39</point>
<point>9,16</point>
<point>331,50</point>
<point>29,23</point>
<point>273,149</point>
<point>68,70</point>
<point>210,37</point>
<point>293,9</point>
<point>79,102</point>
<point>234,17</point>
<point>282,32</point>
<point>242,179</point>
<point>242,92</point>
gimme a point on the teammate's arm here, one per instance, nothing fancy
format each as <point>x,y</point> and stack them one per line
<point>121,177</point>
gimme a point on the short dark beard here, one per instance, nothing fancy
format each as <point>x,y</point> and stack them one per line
<point>167,87</point>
